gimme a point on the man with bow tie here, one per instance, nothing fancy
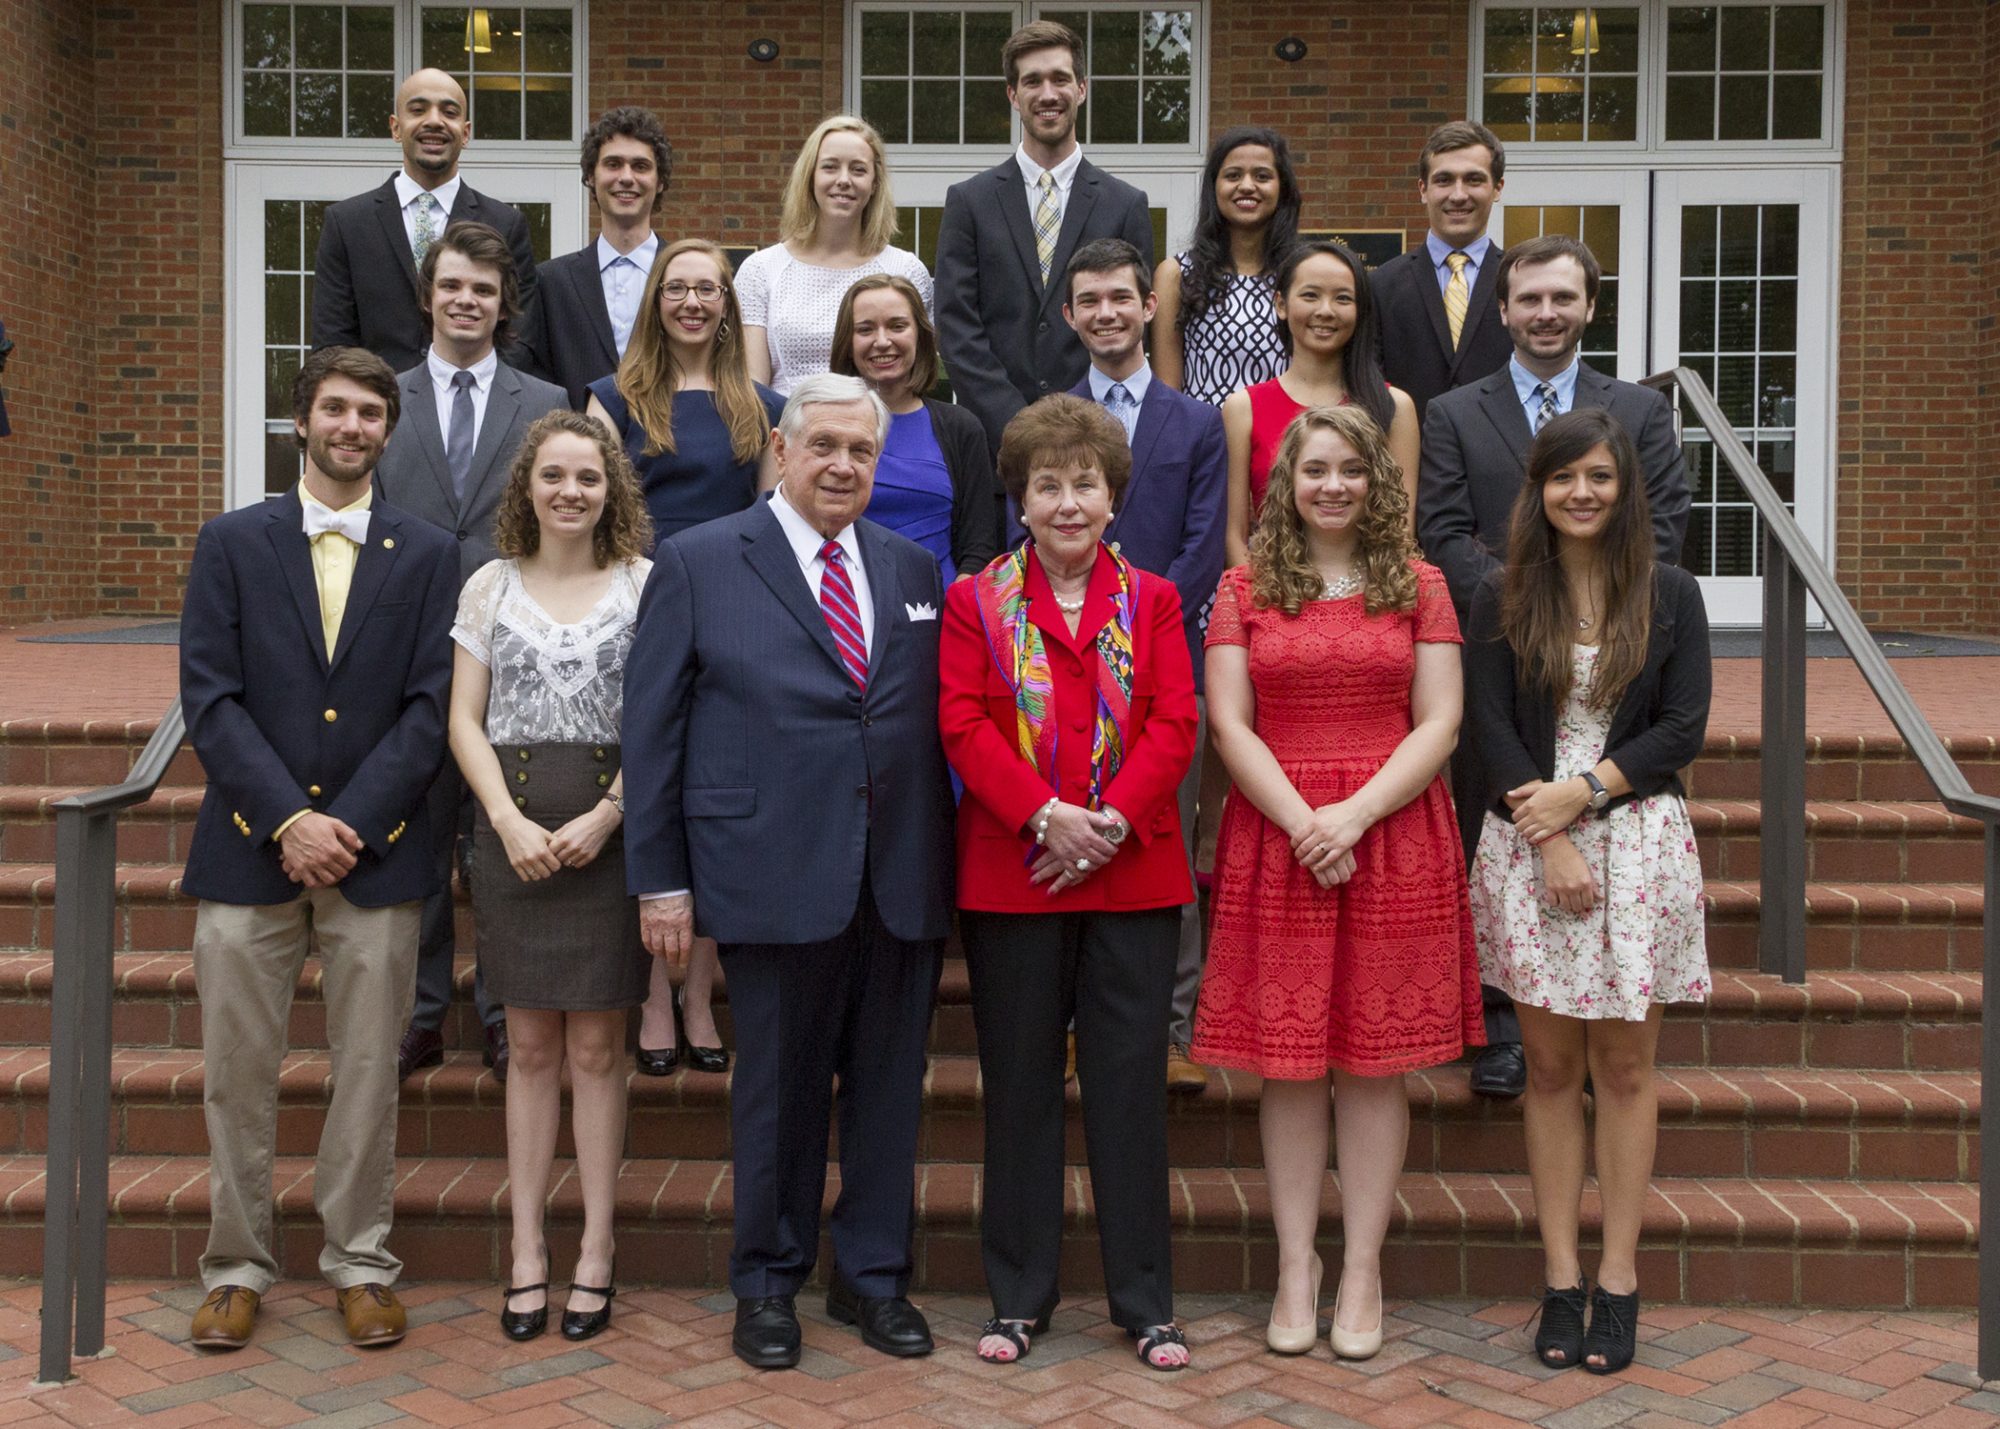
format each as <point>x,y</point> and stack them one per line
<point>315,669</point>
<point>786,795</point>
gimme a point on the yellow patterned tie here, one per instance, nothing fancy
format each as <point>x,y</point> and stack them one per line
<point>1048,223</point>
<point>1457,297</point>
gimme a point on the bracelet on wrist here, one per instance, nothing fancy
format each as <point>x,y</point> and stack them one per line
<point>1041,819</point>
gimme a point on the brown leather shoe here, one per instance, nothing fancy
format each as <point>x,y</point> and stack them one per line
<point>1183,1076</point>
<point>225,1318</point>
<point>374,1315</point>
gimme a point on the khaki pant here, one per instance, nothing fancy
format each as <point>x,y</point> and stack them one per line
<point>247,960</point>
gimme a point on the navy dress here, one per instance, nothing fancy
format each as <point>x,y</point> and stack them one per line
<point>701,478</point>
<point>913,489</point>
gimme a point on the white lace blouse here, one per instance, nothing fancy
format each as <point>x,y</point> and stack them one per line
<point>797,304</point>
<point>551,683</point>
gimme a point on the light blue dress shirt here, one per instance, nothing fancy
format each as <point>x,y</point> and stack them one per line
<point>1526,383</point>
<point>1476,254</point>
<point>624,279</point>
<point>1136,384</point>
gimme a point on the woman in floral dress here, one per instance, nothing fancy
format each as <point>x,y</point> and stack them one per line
<point>1589,668</point>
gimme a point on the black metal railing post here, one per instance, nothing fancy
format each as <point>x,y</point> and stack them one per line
<point>1781,904</point>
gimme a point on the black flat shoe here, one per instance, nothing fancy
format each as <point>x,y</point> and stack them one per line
<point>523,1325</point>
<point>714,1060</point>
<point>1614,1330</point>
<point>889,1323</point>
<point>767,1332</point>
<point>1561,1328</point>
<point>582,1324</point>
<point>1500,1071</point>
<point>654,1062</point>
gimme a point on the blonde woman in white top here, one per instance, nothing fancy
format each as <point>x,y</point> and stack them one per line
<point>834,229</point>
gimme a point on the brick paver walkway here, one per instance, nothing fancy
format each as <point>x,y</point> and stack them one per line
<point>666,1359</point>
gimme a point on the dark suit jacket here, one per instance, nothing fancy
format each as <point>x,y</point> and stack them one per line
<point>1475,453</point>
<point>1415,338</point>
<point>279,727</point>
<point>365,278</point>
<point>413,473</point>
<point>1657,729</point>
<point>1001,333</point>
<point>756,774</point>
<point>569,341</point>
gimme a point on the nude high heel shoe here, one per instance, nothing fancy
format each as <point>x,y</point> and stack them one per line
<point>1355,1344</point>
<point>1296,1339</point>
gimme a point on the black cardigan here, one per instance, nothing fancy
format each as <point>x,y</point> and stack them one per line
<point>1656,730</point>
<point>977,506</point>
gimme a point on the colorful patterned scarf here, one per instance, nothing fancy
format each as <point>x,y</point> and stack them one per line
<point>1016,643</point>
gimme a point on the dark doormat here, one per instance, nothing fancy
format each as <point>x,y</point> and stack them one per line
<point>1748,644</point>
<point>154,632</point>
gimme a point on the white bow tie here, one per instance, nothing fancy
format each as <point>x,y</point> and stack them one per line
<point>351,523</point>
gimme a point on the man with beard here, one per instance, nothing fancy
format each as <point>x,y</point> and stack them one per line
<point>1006,238</point>
<point>315,667</point>
<point>365,275</point>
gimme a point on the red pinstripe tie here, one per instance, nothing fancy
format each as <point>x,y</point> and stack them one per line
<point>843,613</point>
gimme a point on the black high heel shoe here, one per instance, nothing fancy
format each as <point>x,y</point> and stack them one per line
<point>701,1059</point>
<point>523,1325</point>
<point>658,1061</point>
<point>582,1324</point>
<point>1614,1330</point>
<point>1561,1329</point>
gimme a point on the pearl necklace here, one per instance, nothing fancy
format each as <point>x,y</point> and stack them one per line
<point>1340,589</point>
<point>1069,607</point>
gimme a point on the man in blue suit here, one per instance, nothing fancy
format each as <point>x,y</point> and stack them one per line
<point>315,668</point>
<point>1169,520</point>
<point>786,794</point>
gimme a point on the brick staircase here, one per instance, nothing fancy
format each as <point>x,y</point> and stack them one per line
<point>1818,1144</point>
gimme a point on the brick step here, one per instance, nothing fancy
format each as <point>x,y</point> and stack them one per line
<point>1709,1241</point>
<point>1920,1022</point>
<point>1847,840</point>
<point>157,831</point>
<point>1840,766</point>
<point>1918,927</point>
<point>84,754</point>
<point>1920,1127</point>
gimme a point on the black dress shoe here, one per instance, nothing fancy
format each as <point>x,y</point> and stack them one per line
<point>1500,1071</point>
<point>522,1325</point>
<point>654,1062</point>
<point>889,1323</point>
<point>767,1332</point>
<point>495,1055</point>
<point>714,1060</point>
<point>421,1047</point>
<point>582,1324</point>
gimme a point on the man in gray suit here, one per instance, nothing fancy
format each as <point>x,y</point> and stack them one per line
<point>1006,238</point>
<point>464,413</point>
<point>1475,452</point>
<point>786,794</point>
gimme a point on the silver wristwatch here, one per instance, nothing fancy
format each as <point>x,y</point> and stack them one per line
<point>1599,795</point>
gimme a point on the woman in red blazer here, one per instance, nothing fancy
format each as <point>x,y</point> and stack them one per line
<point>1067,707</point>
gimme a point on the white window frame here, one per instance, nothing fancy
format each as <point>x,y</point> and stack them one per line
<point>1652,126</point>
<point>1127,160</point>
<point>408,48</point>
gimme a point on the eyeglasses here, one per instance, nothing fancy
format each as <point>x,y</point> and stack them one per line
<point>677,291</point>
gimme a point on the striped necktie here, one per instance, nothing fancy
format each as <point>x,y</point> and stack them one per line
<point>1048,223</point>
<point>1457,296</point>
<point>1547,411</point>
<point>843,612</point>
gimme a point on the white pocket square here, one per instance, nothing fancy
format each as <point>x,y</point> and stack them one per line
<point>920,612</point>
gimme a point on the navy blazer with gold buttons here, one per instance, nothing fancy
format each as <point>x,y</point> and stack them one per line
<point>280,727</point>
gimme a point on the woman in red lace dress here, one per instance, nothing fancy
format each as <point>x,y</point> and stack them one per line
<point>1342,945</point>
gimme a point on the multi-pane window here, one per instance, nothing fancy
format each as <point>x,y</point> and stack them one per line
<point>1738,72</point>
<point>1562,74</point>
<point>1598,227</point>
<point>515,64</point>
<point>931,74</point>
<point>317,71</point>
<point>291,238</point>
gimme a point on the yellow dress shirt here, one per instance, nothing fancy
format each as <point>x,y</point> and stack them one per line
<point>333,557</point>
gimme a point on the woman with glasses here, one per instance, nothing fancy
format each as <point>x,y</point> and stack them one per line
<point>835,227</point>
<point>698,431</point>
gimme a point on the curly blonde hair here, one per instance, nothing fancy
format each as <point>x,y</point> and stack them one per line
<point>1282,573</point>
<point>624,532</point>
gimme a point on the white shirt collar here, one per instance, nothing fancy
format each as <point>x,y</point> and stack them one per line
<point>482,371</point>
<point>642,255</point>
<point>445,193</point>
<point>806,542</point>
<point>1063,173</point>
<point>1136,384</point>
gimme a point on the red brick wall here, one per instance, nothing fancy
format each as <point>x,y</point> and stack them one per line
<point>48,491</point>
<point>1986,386</point>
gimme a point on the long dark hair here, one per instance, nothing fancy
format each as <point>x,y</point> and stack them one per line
<point>1536,615</point>
<point>1208,255</point>
<point>1360,368</point>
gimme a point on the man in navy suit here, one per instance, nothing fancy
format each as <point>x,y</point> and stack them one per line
<point>315,667</point>
<point>365,273</point>
<point>588,300</point>
<point>786,794</point>
<point>1169,520</point>
<point>1006,236</point>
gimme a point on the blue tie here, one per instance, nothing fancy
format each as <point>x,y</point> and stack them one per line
<point>1118,401</point>
<point>458,441</point>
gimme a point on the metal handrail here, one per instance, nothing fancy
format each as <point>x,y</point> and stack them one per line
<point>76,1216</point>
<point>1792,571</point>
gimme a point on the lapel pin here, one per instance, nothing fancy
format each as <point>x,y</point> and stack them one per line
<point>388,543</point>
